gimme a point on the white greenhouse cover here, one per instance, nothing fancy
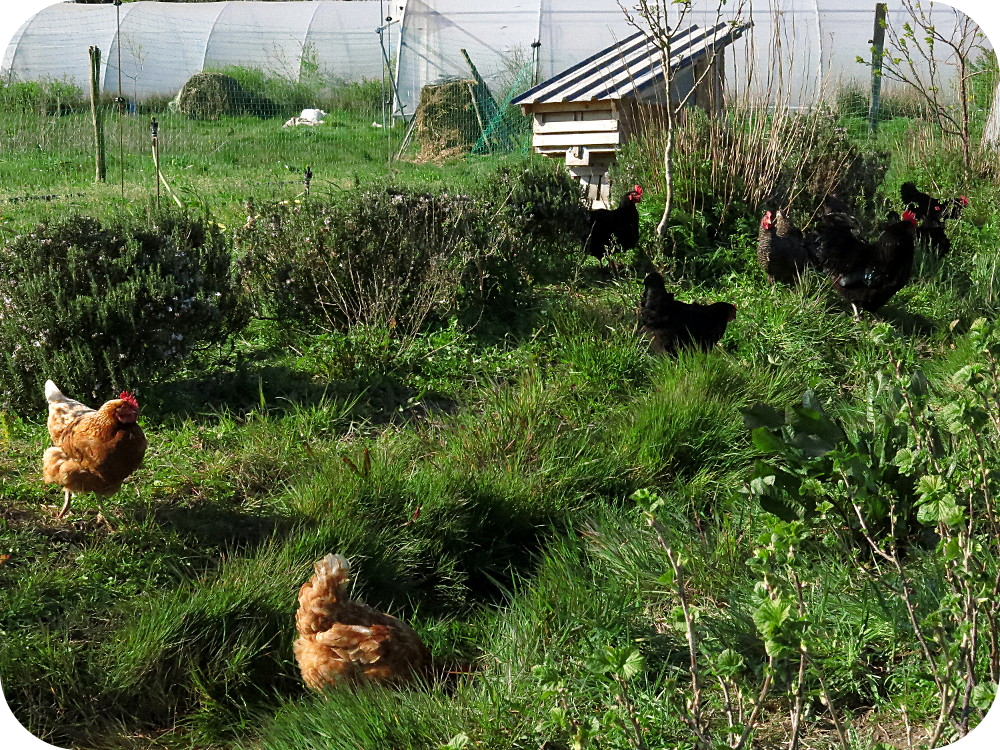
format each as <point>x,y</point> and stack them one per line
<point>163,44</point>
<point>796,51</point>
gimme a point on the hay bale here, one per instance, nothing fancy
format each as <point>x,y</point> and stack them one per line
<point>209,96</point>
<point>446,120</point>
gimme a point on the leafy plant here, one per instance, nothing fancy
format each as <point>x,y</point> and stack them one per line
<point>49,97</point>
<point>912,485</point>
<point>98,307</point>
<point>403,260</point>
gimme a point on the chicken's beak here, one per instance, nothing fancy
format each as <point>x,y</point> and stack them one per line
<point>127,414</point>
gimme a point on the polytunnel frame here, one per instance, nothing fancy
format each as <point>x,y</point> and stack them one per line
<point>161,45</point>
<point>14,46</point>
<point>835,32</point>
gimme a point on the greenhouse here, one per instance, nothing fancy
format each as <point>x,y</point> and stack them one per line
<point>162,44</point>
<point>796,50</point>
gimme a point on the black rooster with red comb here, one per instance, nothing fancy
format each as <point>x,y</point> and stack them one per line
<point>619,226</point>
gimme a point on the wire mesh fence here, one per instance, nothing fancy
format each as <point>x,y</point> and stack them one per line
<point>258,132</point>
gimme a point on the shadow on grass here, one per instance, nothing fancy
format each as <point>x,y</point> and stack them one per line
<point>383,398</point>
<point>210,525</point>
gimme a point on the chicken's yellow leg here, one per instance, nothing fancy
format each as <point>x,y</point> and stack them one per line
<point>69,497</point>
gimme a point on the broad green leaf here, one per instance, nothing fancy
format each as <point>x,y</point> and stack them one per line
<point>771,615</point>
<point>983,695</point>
<point>938,508</point>
<point>905,459</point>
<point>728,662</point>
<point>763,415</point>
<point>952,550</point>
<point>766,441</point>
<point>930,485</point>
<point>634,664</point>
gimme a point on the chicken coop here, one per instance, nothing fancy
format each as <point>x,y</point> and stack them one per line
<point>588,111</point>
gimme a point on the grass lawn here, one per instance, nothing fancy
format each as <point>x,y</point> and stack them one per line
<point>557,511</point>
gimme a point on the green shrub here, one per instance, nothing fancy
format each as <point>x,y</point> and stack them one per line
<point>543,208</point>
<point>363,98</point>
<point>853,101</point>
<point>97,308</point>
<point>277,95</point>
<point>41,97</point>
<point>404,260</point>
<point>834,164</point>
<point>378,260</point>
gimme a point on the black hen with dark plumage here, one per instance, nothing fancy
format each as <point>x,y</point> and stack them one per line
<point>672,325</point>
<point>933,213</point>
<point>868,274</point>
<point>927,206</point>
<point>620,224</point>
<point>781,249</point>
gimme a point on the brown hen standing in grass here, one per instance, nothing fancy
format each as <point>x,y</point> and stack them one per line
<point>94,450</point>
<point>342,641</point>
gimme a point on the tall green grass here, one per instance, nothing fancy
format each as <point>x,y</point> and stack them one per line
<point>480,479</point>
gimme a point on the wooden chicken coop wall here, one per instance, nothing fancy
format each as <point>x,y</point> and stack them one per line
<point>586,134</point>
<point>708,91</point>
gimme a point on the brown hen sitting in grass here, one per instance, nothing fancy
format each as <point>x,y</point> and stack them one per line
<point>93,450</point>
<point>342,641</point>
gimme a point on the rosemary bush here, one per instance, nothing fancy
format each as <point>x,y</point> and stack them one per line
<point>100,307</point>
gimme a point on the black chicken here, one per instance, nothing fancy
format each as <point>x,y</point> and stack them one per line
<point>837,211</point>
<point>868,274</point>
<point>620,224</point>
<point>927,206</point>
<point>931,233</point>
<point>672,325</point>
<point>781,251</point>
<point>934,213</point>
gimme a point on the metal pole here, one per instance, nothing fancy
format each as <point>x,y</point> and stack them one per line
<point>385,60</point>
<point>536,47</point>
<point>154,130</point>
<point>381,6</point>
<point>878,47</point>
<point>121,100</point>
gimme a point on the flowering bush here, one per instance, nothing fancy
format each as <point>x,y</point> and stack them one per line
<point>99,308</point>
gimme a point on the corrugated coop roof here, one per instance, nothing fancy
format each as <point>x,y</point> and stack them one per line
<point>629,67</point>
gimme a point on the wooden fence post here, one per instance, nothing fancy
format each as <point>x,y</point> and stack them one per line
<point>98,116</point>
<point>878,47</point>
